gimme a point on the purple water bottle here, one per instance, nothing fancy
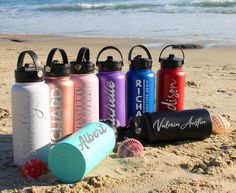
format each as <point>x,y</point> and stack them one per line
<point>112,83</point>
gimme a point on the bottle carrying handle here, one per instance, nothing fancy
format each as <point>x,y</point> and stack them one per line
<point>52,53</point>
<point>140,46</point>
<point>83,56</point>
<point>106,48</point>
<point>35,59</point>
<point>172,46</point>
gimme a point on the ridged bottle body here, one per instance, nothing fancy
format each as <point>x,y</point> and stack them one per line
<point>30,121</point>
<point>61,106</point>
<point>86,100</point>
<point>112,97</point>
<point>140,92</point>
<point>170,89</point>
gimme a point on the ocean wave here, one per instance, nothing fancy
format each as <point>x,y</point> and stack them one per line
<point>170,6</point>
<point>208,4</point>
<point>104,6</point>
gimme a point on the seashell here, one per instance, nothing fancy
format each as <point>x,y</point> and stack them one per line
<point>34,169</point>
<point>220,124</point>
<point>130,148</point>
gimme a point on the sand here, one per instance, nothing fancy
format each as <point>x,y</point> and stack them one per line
<point>187,166</point>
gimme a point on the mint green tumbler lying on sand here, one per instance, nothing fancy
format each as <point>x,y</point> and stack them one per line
<point>76,155</point>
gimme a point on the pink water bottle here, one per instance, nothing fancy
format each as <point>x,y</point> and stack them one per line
<point>86,90</point>
<point>61,95</point>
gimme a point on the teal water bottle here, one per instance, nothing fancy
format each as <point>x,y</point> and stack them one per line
<point>75,156</point>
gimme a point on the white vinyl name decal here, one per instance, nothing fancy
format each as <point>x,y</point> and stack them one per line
<point>139,98</point>
<point>56,114</point>
<point>166,124</point>
<point>110,103</point>
<point>88,138</point>
<point>173,95</point>
<point>30,114</point>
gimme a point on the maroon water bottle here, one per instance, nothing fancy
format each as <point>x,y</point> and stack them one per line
<point>170,83</point>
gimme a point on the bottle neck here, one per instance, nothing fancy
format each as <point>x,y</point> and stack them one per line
<point>137,128</point>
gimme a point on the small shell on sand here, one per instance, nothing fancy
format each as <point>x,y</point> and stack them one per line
<point>34,169</point>
<point>130,148</point>
<point>220,125</point>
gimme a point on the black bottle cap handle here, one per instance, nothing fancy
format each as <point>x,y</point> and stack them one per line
<point>140,46</point>
<point>35,59</point>
<point>52,53</point>
<point>106,48</point>
<point>83,56</point>
<point>172,47</point>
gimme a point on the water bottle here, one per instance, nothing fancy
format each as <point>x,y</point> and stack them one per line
<point>140,84</point>
<point>73,157</point>
<point>86,90</point>
<point>169,126</point>
<point>61,95</point>
<point>30,111</point>
<point>170,83</point>
<point>112,87</point>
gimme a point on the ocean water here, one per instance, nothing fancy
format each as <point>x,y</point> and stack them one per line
<point>183,20</point>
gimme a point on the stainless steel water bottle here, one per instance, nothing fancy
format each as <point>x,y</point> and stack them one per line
<point>72,158</point>
<point>86,90</point>
<point>170,83</point>
<point>169,126</point>
<point>140,84</point>
<point>30,111</point>
<point>112,89</point>
<point>61,95</point>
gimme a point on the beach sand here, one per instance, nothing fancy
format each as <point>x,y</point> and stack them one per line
<point>187,166</point>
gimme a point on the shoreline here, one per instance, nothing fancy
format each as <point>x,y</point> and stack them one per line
<point>151,42</point>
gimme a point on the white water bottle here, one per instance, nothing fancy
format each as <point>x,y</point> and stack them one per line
<point>30,112</point>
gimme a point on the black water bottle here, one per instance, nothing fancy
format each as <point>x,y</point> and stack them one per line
<point>169,126</point>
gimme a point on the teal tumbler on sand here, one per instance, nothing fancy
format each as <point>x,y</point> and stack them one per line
<point>76,155</point>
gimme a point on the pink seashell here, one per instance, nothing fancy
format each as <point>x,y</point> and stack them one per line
<point>130,148</point>
<point>220,124</point>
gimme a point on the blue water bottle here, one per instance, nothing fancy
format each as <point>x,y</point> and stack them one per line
<point>140,84</point>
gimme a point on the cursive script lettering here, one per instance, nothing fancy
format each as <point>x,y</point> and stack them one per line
<point>88,138</point>
<point>30,114</point>
<point>110,106</point>
<point>39,114</point>
<point>172,97</point>
<point>167,124</point>
<point>159,124</point>
<point>196,123</point>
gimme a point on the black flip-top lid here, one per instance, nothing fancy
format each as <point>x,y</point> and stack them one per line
<point>171,61</point>
<point>139,63</point>
<point>109,64</point>
<point>82,65</point>
<point>29,72</point>
<point>54,68</point>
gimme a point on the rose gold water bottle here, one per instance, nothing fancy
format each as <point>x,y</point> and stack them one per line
<point>61,95</point>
